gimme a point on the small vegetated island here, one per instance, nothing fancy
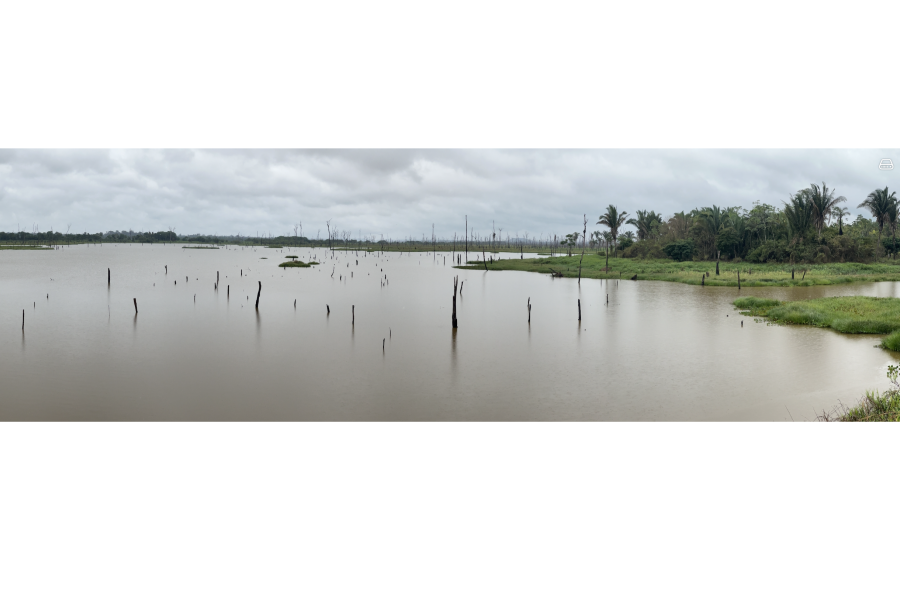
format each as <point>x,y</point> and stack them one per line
<point>296,263</point>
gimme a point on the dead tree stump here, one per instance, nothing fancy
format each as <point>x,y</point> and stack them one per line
<point>453,318</point>
<point>258,292</point>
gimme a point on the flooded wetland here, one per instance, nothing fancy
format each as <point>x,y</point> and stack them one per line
<point>366,336</point>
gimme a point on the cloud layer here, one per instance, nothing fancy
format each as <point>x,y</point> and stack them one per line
<point>401,193</point>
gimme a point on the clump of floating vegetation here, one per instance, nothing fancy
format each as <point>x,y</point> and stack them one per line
<point>847,314</point>
<point>276,247</point>
<point>201,247</point>
<point>297,263</point>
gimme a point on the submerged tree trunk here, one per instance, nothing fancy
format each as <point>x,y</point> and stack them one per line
<point>455,279</point>
<point>583,237</point>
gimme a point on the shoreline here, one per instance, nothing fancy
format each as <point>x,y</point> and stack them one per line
<point>701,273</point>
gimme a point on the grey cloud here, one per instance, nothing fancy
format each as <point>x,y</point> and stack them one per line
<point>400,193</point>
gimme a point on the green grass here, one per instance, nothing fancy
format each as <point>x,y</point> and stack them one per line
<point>847,314</point>
<point>874,407</point>
<point>25,248</point>
<point>752,275</point>
<point>754,303</point>
<point>297,263</point>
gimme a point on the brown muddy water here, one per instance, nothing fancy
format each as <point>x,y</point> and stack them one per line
<point>657,352</point>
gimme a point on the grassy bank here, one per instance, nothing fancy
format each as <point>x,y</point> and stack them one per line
<point>847,314</point>
<point>752,275</point>
<point>25,248</point>
<point>873,406</point>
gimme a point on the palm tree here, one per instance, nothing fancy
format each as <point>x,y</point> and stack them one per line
<point>711,221</point>
<point>839,213</point>
<point>799,213</point>
<point>680,225</point>
<point>880,204</point>
<point>822,202</point>
<point>612,219</point>
<point>645,222</point>
<point>892,223</point>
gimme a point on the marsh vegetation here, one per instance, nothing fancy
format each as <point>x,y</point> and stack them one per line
<point>701,272</point>
<point>846,314</point>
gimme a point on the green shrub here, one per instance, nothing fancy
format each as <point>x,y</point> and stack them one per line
<point>681,250</point>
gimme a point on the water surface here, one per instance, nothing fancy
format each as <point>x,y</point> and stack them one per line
<point>657,351</point>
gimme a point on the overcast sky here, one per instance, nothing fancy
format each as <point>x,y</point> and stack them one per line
<point>400,193</point>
